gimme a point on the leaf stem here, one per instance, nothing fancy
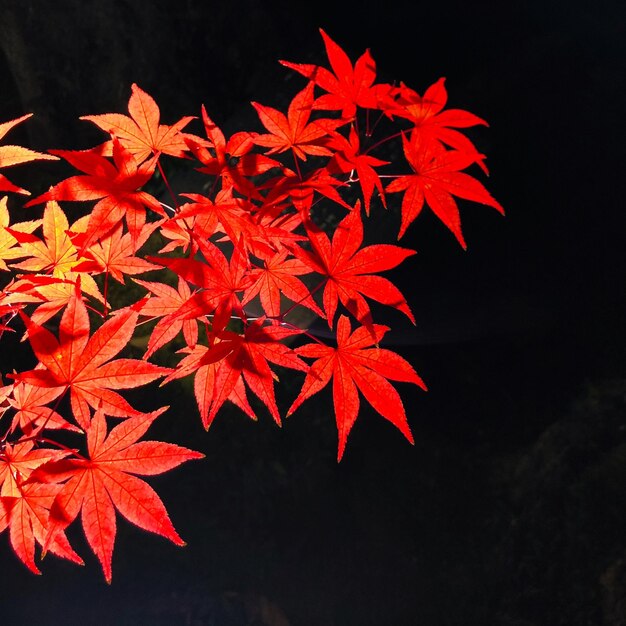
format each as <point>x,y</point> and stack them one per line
<point>167,184</point>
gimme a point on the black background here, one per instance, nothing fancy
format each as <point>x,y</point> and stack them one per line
<point>509,509</point>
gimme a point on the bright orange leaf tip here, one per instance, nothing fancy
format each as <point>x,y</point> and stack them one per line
<point>15,155</point>
<point>142,133</point>
<point>354,366</point>
<point>98,487</point>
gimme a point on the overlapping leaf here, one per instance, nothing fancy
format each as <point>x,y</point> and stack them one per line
<point>25,505</point>
<point>115,185</point>
<point>347,87</point>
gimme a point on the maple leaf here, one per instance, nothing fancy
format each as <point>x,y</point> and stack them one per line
<point>350,158</point>
<point>167,301</point>
<point>179,230</point>
<point>204,363</point>
<point>300,190</point>
<point>15,155</point>
<point>56,254</point>
<point>220,281</point>
<point>5,392</point>
<point>83,364</point>
<point>349,270</point>
<point>227,214</point>
<point>25,506</point>
<point>32,413</point>
<point>249,360</point>
<point>8,242</point>
<point>435,180</point>
<point>141,133</point>
<point>51,294</point>
<point>348,87</point>
<point>106,482</point>
<point>431,123</point>
<point>294,132</point>
<point>354,365</point>
<point>231,160</point>
<point>18,461</point>
<point>276,278</point>
<point>234,358</point>
<point>116,187</point>
<point>114,254</point>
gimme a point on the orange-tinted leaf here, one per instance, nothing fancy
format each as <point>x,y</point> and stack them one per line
<point>32,413</point>
<point>56,254</point>
<point>83,364</point>
<point>165,301</point>
<point>24,506</point>
<point>278,278</point>
<point>142,133</point>
<point>104,484</point>
<point>15,155</point>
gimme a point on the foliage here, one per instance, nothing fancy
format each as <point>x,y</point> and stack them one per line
<point>249,240</point>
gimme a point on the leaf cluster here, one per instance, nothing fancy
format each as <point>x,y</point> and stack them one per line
<point>241,269</point>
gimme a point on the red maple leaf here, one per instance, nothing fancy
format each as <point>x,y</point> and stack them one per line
<point>204,362</point>
<point>233,359</point>
<point>231,160</point>
<point>226,214</point>
<point>300,189</point>
<point>220,281</point>
<point>32,413</point>
<point>355,365</point>
<point>350,269</point>
<point>432,123</point>
<point>348,87</point>
<point>349,158</point>
<point>294,132</point>
<point>141,133</point>
<point>83,364</point>
<point>115,254</point>
<point>165,301</point>
<point>25,506</point>
<point>97,486</point>
<point>436,179</point>
<point>278,278</point>
<point>115,185</point>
